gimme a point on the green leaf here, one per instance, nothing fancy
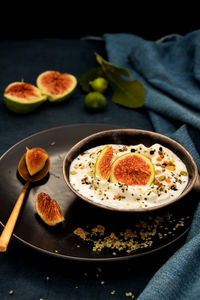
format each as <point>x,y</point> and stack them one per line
<point>125,92</point>
<point>90,75</point>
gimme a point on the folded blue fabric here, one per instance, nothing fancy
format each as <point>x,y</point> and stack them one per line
<point>170,72</point>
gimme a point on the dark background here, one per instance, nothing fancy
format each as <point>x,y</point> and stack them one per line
<point>77,19</point>
<point>22,269</point>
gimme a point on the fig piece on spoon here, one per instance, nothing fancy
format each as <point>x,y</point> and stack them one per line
<point>24,173</point>
<point>34,164</point>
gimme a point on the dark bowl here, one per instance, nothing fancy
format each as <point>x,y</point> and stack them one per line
<point>132,137</point>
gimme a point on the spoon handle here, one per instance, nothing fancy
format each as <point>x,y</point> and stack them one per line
<point>9,227</point>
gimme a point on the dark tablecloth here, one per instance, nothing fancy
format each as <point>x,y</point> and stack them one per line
<point>26,272</point>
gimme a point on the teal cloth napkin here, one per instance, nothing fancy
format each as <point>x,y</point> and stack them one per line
<point>170,72</point>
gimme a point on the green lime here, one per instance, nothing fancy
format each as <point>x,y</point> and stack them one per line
<point>95,101</point>
<point>99,84</point>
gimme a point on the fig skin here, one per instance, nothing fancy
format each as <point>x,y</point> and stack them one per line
<point>35,160</point>
<point>48,209</point>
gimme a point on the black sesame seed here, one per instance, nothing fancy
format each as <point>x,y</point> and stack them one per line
<point>152,152</point>
<point>173,187</point>
<point>161,149</point>
<point>133,150</point>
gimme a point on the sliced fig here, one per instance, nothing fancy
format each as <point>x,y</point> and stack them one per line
<point>104,163</point>
<point>57,86</point>
<point>21,97</point>
<point>35,160</point>
<point>48,209</point>
<point>132,169</point>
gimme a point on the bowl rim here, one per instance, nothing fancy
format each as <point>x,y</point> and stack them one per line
<point>89,138</point>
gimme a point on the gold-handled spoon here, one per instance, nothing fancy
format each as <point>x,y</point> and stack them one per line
<point>23,172</point>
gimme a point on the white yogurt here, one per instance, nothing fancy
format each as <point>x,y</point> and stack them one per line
<point>171,178</point>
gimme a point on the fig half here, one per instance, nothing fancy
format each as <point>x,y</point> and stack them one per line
<point>22,97</point>
<point>133,169</point>
<point>48,209</point>
<point>57,86</point>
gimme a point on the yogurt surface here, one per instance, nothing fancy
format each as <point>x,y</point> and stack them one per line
<point>171,178</point>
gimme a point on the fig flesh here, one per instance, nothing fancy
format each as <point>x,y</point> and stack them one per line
<point>35,160</point>
<point>21,97</point>
<point>57,86</point>
<point>132,169</point>
<point>104,163</point>
<point>48,209</point>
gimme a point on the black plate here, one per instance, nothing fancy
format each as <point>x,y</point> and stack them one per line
<point>126,235</point>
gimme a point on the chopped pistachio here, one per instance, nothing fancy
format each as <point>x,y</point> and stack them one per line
<point>183,173</point>
<point>161,178</point>
<point>171,163</point>
<point>73,172</point>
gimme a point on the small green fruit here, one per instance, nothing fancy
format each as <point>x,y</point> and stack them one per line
<point>95,101</point>
<point>99,84</point>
